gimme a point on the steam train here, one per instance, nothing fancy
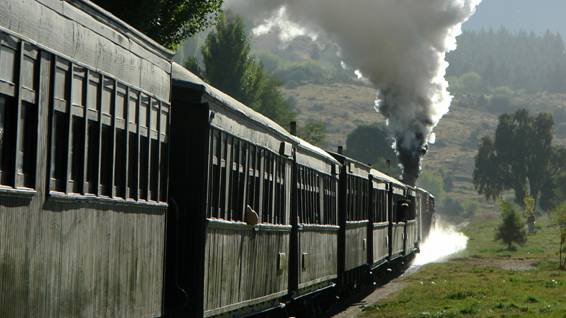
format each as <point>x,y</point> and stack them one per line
<point>131,188</point>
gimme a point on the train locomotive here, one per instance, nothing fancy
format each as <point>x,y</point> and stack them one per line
<point>129,187</point>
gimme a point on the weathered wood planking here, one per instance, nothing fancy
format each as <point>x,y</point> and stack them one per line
<point>61,257</point>
<point>318,254</point>
<point>242,265</point>
<point>81,262</point>
<point>380,242</point>
<point>397,239</point>
<point>411,236</point>
<point>356,244</point>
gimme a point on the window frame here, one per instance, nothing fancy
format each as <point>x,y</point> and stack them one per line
<point>107,115</point>
<point>20,91</point>
<point>316,191</point>
<point>236,163</point>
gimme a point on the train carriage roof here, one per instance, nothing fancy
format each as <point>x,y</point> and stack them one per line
<point>425,192</point>
<point>310,149</point>
<point>387,178</point>
<point>353,166</point>
<point>183,77</point>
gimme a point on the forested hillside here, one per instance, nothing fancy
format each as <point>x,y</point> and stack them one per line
<point>521,61</point>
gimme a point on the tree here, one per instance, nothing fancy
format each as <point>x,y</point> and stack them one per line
<point>511,229</point>
<point>168,22</point>
<point>434,183</point>
<point>371,144</point>
<point>554,192</point>
<point>192,65</point>
<point>560,216</point>
<point>230,67</point>
<point>313,132</point>
<point>519,158</point>
<point>275,106</point>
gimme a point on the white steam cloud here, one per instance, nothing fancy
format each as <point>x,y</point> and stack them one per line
<point>443,240</point>
<point>399,45</point>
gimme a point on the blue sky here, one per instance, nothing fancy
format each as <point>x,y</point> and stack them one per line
<point>529,15</point>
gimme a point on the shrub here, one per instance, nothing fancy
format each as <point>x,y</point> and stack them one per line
<point>511,230</point>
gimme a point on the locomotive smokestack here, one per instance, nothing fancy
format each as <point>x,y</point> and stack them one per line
<point>340,150</point>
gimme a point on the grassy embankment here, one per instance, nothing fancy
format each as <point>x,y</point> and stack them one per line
<point>486,280</point>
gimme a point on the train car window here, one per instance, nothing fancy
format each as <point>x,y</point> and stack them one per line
<point>329,203</point>
<point>59,159</point>
<point>164,152</point>
<point>155,150</point>
<point>379,205</point>
<point>120,141</point>
<point>27,150</point>
<point>144,148</point>
<point>92,157</point>
<point>7,147</point>
<point>77,153</point>
<point>18,114</point>
<point>106,140</point>
<point>106,161</point>
<point>222,177</point>
<point>316,196</point>
<point>267,188</point>
<point>357,196</point>
<point>133,144</point>
<point>244,175</point>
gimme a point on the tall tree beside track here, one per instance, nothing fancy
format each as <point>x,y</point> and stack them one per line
<point>230,67</point>
<point>520,157</point>
<point>168,22</point>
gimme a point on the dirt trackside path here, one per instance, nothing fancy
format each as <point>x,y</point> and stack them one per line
<point>380,293</point>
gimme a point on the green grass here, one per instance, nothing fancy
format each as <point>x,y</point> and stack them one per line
<point>486,280</point>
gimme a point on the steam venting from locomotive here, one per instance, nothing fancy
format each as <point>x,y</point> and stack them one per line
<point>398,45</point>
<point>443,240</point>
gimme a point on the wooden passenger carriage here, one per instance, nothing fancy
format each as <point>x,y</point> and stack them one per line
<point>316,214</point>
<point>412,226</point>
<point>425,206</point>
<point>354,223</point>
<point>83,162</point>
<point>244,161</point>
<point>398,194</point>
<point>379,218</point>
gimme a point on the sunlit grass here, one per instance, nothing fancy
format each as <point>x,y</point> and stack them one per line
<point>486,280</point>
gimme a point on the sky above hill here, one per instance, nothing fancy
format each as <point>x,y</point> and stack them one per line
<point>528,15</point>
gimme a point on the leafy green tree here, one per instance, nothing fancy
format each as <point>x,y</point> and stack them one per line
<point>451,206</point>
<point>230,67</point>
<point>519,158</point>
<point>434,183</point>
<point>313,132</point>
<point>470,83</point>
<point>275,106</point>
<point>192,65</point>
<point>511,230</point>
<point>554,192</point>
<point>168,22</point>
<point>370,144</point>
